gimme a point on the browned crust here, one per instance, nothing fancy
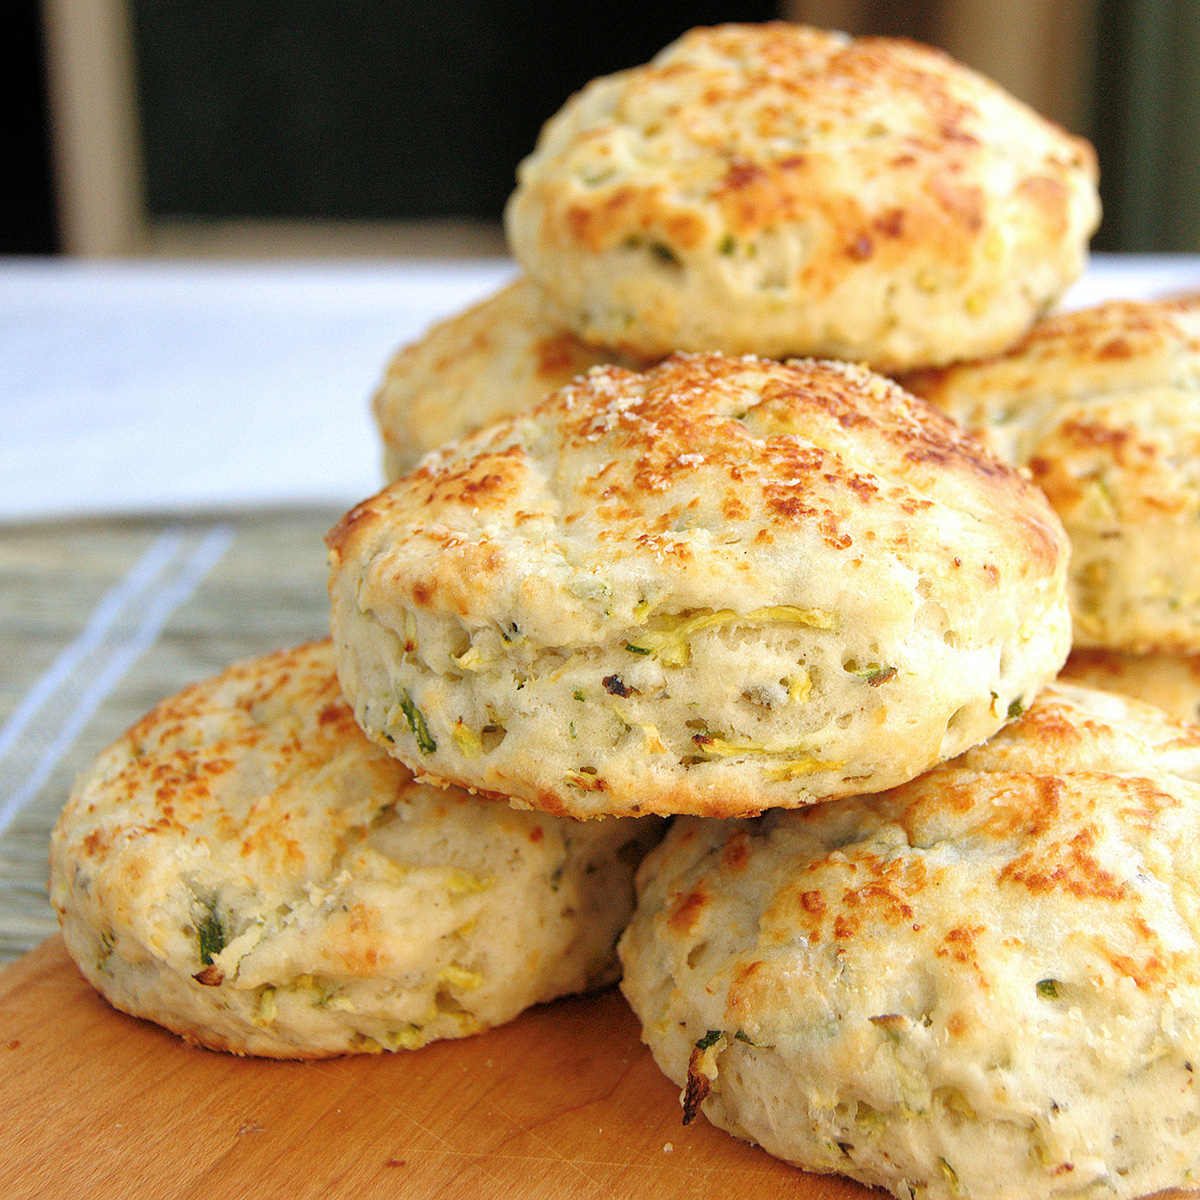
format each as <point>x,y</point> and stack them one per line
<point>1114,335</point>
<point>757,456</point>
<point>817,81</point>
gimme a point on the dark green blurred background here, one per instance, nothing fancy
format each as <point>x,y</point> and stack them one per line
<point>1145,123</point>
<point>371,109</point>
<point>385,111</point>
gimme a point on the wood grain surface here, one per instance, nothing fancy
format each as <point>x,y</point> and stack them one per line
<point>565,1103</point>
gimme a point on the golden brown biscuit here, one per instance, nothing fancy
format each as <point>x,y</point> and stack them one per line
<point>776,189</point>
<point>985,983</point>
<point>1170,681</point>
<point>498,358</point>
<point>245,868</point>
<point>717,586</point>
<point>1102,406</point>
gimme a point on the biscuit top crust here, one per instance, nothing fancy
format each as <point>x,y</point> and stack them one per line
<point>754,117</point>
<point>983,870</point>
<point>242,762</point>
<point>1003,946</point>
<point>499,357</point>
<point>259,783</point>
<point>507,329</point>
<point>246,834</point>
<point>1101,404</point>
<point>1111,347</point>
<point>889,157</point>
<point>258,787</point>
<point>706,482</point>
<point>1073,727</point>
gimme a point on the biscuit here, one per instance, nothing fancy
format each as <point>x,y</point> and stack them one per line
<point>716,586</point>
<point>781,190</point>
<point>245,868</point>
<point>498,358</point>
<point>1102,406</point>
<point>1170,681</point>
<point>984,983</point>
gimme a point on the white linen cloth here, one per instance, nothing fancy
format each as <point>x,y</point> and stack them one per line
<point>139,388</point>
<point>145,388</point>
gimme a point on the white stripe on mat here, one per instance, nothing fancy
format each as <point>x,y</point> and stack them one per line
<point>126,623</point>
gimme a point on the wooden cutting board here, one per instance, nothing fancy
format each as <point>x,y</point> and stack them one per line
<point>564,1103</point>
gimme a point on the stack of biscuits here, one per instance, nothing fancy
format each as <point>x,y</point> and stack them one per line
<point>668,572</point>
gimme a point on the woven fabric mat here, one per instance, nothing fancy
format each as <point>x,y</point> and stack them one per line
<point>99,620</point>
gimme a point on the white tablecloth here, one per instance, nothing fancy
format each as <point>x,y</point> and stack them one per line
<point>170,388</point>
<point>151,387</point>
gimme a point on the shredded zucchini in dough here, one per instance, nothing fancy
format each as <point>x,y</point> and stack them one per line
<point>459,977</point>
<point>584,779</point>
<point>799,686</point>
<point>470,659</point>
<point>799,761</point>
<point>469,743</point>
<point>802,766</point>
<point>264,1007</point>
<point>408,1038</point>
<point>464,883</point>
<point>873,673</point>
<point>670,644</point>
<point>416,722</point>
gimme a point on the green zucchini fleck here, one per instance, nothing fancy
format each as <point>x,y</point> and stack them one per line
<point>1016,708</point>
<point>873,673</point>
<point>670,642</point>
<point>416,722</point>
<point>951,1177</point>
<point>1047,989</point>
<point>585,779</point>
<point>664,254</point>
<point>711,1038</point>
<point>211,934</point>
